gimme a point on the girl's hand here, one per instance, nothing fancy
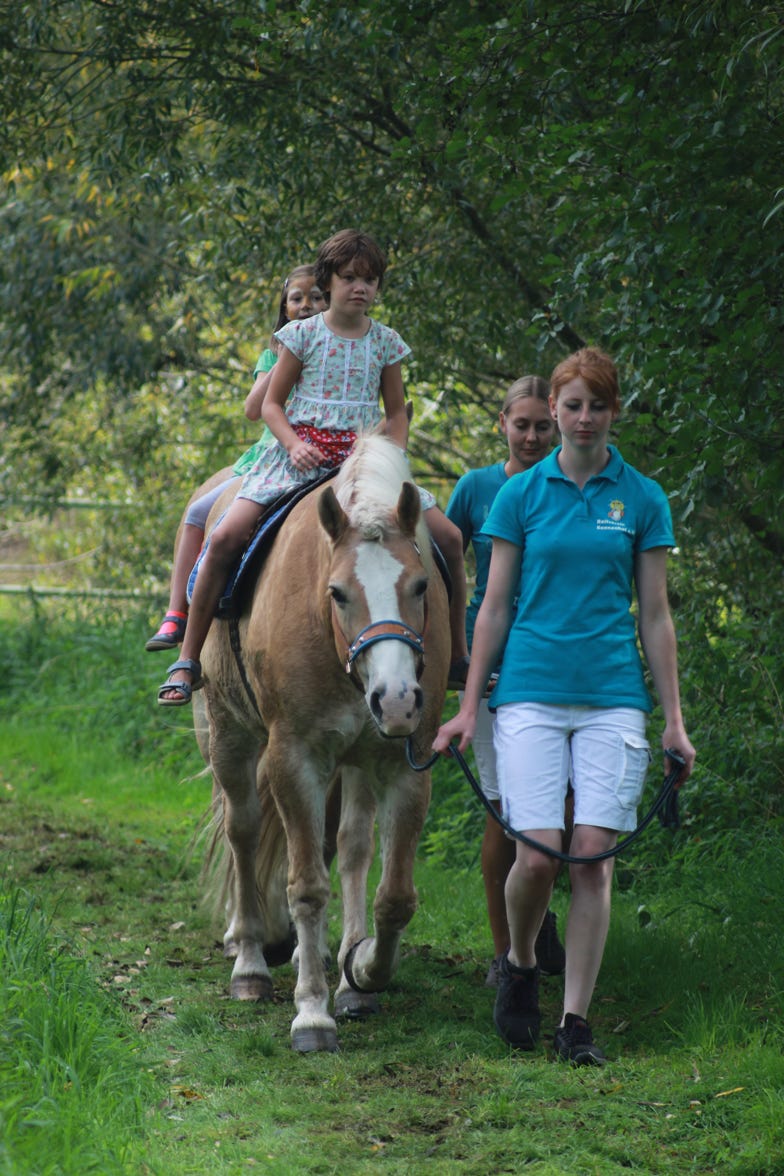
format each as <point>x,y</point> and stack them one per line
<point>461,727</point>
<point>304,456</point>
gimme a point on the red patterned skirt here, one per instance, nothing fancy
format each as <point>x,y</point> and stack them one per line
<point>335,444</point>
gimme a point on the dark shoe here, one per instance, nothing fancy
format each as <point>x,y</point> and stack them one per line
<point>458,672</point>
<point>516,1013</point>
<point>169,635</point>
<point>550,954</point>
<point>574,1043</point>
<point>184,689</point>
<point>491,979</point>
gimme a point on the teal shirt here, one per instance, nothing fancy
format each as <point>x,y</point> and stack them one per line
<point>573,640</point>
<point>468,508</point>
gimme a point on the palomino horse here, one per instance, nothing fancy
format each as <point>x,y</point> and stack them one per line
<point>345,649</point>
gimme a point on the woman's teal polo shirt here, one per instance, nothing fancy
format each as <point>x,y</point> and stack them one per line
<point>573,640</point>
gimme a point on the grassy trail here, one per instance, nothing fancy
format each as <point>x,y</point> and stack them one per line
<point>100,798</point>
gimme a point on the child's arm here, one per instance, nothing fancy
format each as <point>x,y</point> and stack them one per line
<point>285,374</point>
<point>255,398</point>
<point>394,401</point>
<point>283,377</point>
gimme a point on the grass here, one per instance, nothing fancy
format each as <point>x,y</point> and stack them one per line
<point>120,1051</point>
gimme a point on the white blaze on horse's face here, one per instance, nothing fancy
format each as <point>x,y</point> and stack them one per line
<point>388,668</point>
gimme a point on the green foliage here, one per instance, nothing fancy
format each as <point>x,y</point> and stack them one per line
<point>101,828</point>
<point>72,1092</point>
<point>539,176</point>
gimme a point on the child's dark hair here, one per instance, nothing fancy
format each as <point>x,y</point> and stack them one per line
<point>346,247</point>
<point>302,271</point>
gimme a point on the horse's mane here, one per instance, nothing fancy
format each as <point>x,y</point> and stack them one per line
<point>368,486</point>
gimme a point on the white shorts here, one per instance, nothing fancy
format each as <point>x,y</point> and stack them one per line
<point>540,748</point>
<point>484,750</point>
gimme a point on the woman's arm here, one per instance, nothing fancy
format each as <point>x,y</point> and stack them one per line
<point>394,401</point>
<point>490,632</point>
<point>657,636</point>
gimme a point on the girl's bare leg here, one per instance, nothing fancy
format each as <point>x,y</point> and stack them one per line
<point>589,917</point>
<point>226,542</point>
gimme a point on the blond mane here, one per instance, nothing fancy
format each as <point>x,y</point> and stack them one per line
<point>368,487</point>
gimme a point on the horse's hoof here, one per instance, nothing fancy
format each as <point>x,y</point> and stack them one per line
<point>231,949</point>
<point>314,1040</point>
<point>348,964</point>
<point>356,1006</point>
<point>251,988</point>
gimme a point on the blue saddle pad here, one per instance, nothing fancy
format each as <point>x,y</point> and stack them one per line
<point>232,598</point>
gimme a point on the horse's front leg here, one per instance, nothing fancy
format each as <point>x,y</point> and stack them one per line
<point>234,764</point>
<point>402,808</point>
<point>355,845</point>
<point>300,786</point>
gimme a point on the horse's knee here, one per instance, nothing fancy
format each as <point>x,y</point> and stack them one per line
<point>395,912</point>
<point>307,898</point>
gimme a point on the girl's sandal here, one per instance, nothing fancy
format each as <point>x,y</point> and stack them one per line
<point>184,689</point>
<point>170,633</point>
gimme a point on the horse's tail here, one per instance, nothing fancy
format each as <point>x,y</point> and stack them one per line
<point>272,862</point>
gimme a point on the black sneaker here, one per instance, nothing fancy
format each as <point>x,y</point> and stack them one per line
<point>550,954</point>
<point>574,1043</point>
<point>491,979</point>
<point>516,1013</point>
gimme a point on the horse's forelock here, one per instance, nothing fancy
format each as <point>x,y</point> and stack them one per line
<point>368,485</point>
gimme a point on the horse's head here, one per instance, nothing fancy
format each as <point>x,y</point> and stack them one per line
<point>378,583</point>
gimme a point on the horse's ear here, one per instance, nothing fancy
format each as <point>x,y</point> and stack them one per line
<point>333,518</point>
<point>409,507</point>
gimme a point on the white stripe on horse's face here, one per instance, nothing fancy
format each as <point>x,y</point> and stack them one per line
<point>378,572</point>
<point>388,669</point>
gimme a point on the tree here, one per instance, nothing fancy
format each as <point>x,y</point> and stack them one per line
<point>541,175</point>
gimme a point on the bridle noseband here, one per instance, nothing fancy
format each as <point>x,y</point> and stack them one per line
<point>380,631</point>
<point>386,631</point>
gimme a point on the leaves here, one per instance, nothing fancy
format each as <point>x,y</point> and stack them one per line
<point>539,177</point>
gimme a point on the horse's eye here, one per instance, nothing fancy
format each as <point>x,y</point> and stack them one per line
<point>337,594</point>
<point>420,588</point>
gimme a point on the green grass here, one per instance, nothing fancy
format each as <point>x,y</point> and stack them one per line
<point>120,1051</point>
<point>72,1091</point>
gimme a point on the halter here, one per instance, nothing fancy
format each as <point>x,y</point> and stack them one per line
<point>380,631</point>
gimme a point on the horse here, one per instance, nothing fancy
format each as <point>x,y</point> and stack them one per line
<point>342,657</point>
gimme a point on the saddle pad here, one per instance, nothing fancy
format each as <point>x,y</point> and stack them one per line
<point>231,600</point>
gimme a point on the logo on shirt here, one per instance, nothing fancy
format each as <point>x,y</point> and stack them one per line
<point>615,519</point>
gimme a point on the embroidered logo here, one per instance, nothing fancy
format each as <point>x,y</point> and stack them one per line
<point>615,519</point>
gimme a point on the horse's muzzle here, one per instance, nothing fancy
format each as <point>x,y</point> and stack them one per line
<point>397,712</point>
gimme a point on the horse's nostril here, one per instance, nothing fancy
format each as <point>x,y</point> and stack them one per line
<point>419,698</point>
<point>375,704</point>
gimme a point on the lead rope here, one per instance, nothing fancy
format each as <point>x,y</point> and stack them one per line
<point>665,804</point>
